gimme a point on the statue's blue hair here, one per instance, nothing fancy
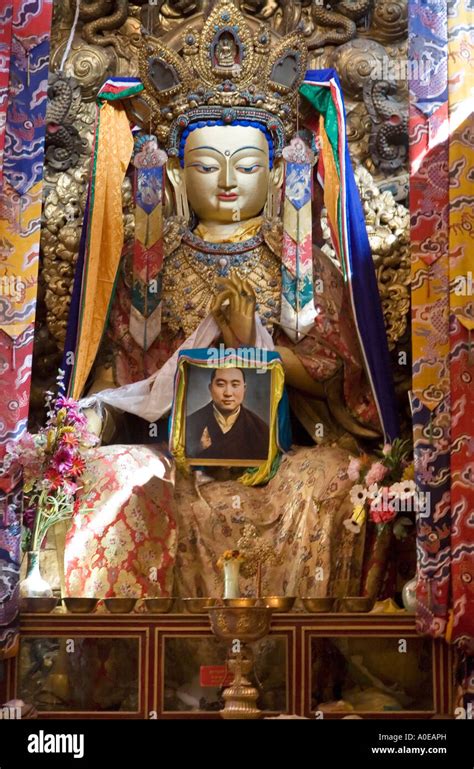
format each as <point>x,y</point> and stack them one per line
<point>203,123</point>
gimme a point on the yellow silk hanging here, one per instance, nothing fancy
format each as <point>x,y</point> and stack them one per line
<point>332,186</point>
<point>19,238</point>
<point>114,150</point>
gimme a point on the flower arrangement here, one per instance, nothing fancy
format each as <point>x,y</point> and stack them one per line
<point>230,555</point>
<point>384,488</point>
<point>52,462</point>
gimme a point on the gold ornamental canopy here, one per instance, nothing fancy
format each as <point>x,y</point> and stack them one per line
<point>225,72</point>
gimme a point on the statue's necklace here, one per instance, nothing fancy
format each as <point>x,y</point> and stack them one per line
<point>224,257</point>
<point>191,273</point>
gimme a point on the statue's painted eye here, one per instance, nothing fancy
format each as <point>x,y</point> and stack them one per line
<point>203,169</point>
<point>249,169</point>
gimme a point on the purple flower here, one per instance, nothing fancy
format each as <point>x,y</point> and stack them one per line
<point>65,403</point>
<point>74,416</point>
<point>62,460</point>
<point>29,516</point>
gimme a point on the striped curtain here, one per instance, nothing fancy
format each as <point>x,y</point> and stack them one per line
<point>442,239</point>
<point>24,38</point>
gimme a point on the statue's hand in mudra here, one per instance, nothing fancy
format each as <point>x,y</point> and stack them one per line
<point>234,312</point>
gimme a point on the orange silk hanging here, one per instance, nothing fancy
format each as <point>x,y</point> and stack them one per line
<point>114,150</point>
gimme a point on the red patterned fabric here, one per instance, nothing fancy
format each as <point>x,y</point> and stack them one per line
<point>25,73</point>
<point>442,159</point>
<point>122,542</point>
<point>6,18</point>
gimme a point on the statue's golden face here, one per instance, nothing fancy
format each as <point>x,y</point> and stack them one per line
<point>226,172</point>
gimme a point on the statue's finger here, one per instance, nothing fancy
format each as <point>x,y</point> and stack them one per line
<point>229,285</point>
<point>220,319</point>
<point>222,297</point>
<point>249,289</point>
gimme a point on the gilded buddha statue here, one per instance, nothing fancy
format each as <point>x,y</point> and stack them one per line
<point>225,108</point>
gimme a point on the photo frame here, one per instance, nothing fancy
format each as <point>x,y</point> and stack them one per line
<point>230,409</point>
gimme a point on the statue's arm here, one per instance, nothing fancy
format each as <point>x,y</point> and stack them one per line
<point>297,376</point>
<point>327,363</point>
<point>331,391</point>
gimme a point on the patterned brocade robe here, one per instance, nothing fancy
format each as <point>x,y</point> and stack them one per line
<point>192,265</point>
<point>139,519</point>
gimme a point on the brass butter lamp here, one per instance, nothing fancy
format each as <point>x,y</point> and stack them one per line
<point>238,627</point>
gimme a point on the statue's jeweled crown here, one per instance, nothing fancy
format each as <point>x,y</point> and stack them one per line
<point>224,73</point>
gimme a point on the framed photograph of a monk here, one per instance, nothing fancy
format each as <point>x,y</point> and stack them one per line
<point>226,408</point>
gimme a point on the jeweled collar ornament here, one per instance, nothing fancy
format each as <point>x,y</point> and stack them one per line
<point>242,76</point>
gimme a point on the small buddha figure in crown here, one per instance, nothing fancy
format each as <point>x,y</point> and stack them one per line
<point>226,51</point>
<point>237,249</point>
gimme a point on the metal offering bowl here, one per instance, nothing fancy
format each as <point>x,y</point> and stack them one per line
<point>199,605</point>
<point>318,605</point>
<point>41,604</point>
<point>158,605</point>
<point>244,623</point>
<point>355,604</point>
<point>120,605</point>
<point>80,605</point>
<point>241,603</point>
<point>280,603</point>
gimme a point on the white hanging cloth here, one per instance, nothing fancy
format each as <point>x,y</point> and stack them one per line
<point>152,398</point>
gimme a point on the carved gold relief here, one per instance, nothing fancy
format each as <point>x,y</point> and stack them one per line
<point>389,20</point>
<point>388,230</point>
<point>356,62</point>
<point>89,65</point>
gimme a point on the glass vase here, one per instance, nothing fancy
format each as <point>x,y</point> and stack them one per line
<point>409,595</point>
<point>231,579</point>
<point>34,586</point>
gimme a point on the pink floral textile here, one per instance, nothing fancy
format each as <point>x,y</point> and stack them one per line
<point>122,541</point>
<point>139,539</point>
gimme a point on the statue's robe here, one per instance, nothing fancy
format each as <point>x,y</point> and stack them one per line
<point>144,532</point>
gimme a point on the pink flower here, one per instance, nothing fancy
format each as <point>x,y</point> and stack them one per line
<point>388,515</point>
<point>387,447</point>
<point>377,472</point>
<point>382,516</point>
<point>65,403</point>
<point>70,487</point>
<point>27,442</point>
<point>73,415</point>
<point>63,459</point>
<point>353,470</point>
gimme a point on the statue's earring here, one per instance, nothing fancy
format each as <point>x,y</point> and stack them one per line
<point>177,179</point>
<point>182,205</point>
<point>273,204</point>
